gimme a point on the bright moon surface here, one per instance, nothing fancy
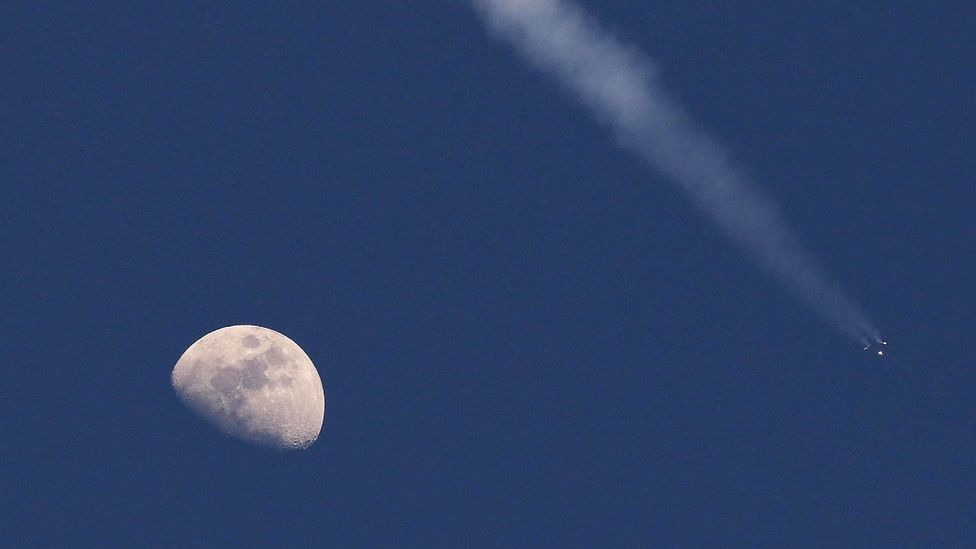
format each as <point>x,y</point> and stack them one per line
<point>253,384</point>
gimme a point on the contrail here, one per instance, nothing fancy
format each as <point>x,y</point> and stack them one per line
<point>622,89</point>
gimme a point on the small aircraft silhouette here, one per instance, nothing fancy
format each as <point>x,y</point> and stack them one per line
<point>880,351</point>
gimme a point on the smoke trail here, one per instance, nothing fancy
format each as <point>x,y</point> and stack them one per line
<point>622,89</point>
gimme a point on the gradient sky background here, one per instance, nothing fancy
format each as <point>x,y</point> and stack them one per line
<point>526,337</point>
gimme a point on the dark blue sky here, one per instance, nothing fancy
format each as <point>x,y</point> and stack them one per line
<point>526,337</point>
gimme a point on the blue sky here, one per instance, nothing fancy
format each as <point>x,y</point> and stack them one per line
<point>526,336</point>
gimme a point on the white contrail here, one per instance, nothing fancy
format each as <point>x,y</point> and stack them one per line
<point>622,89</point>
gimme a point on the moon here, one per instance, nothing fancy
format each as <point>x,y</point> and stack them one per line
<point>254,384</point>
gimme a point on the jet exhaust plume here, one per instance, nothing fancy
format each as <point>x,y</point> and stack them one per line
<point>622,89</point>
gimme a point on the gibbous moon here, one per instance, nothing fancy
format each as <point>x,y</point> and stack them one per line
<point>254,384</point>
